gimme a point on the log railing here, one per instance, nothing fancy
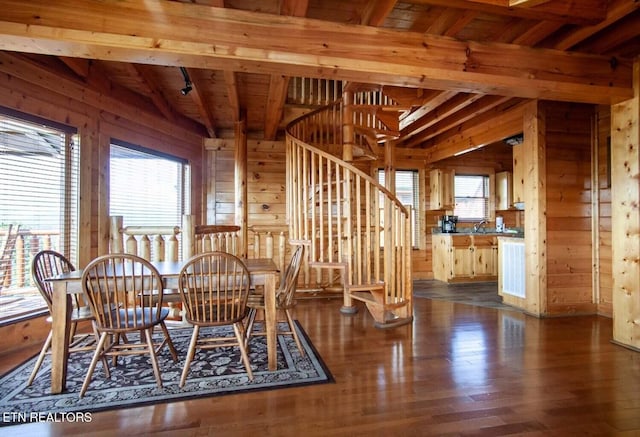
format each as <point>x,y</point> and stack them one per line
<point>336,207</point>
<point>16,272</point>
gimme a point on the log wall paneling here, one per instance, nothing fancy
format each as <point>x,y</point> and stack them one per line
<point>240,188</point>
<point>568,209</point>
<point>625,201</point>
<point>534,152</point>
<point>603,144</point>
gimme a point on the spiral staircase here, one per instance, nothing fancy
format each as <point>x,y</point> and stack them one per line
<point>351,223</point>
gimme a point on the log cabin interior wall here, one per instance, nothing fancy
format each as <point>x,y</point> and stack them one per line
<point>604,279</point>
<point>568,215</point>
<point>30,87</point>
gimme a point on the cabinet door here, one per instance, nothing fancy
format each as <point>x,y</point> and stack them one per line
<point>484,256</point>
<point>504,195</point>
<point>518,173</point>
<point>462,256</point>
<point>441,185</point>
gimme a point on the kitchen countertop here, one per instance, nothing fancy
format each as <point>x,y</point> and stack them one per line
<point>511,233</point>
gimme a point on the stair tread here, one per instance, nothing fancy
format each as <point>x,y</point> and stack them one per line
<point>367,297</point>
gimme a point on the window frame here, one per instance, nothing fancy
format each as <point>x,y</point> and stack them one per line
<point>60,181</point>
<point>415,209</point>
<point>488,196</point>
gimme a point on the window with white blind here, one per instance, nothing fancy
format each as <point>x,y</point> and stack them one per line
<point>38,198</point>
<point>147,188</point>
<point>408,194</point>
<point>471,197</point>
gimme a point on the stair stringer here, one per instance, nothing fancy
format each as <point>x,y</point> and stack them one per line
<point>338,208</point>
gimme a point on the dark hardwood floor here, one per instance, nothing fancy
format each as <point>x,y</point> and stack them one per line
<point>458,370</point>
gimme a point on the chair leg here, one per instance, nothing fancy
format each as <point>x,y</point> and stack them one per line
<point>154,357</point>
<point>43,352</point>
<point>94,361</point>
<point>190,354</point>
<point>243,351</point>
<point>105,363</point>
<point>251,320</point>
<point>172,349</point>
<point>292,328</point>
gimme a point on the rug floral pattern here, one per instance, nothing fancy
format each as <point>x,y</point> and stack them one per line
<point>132,383</point>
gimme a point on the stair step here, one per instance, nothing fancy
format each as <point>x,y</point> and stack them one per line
<point>367,297</point>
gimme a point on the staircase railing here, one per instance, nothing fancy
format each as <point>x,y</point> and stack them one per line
<point>352,223</point>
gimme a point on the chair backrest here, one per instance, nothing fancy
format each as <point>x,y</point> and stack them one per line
<point>46,264</point>
<point>285,295</point>
<point>214,287</point>
<point>124,292</point>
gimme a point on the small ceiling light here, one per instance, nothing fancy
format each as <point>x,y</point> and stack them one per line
<point>187,82</point>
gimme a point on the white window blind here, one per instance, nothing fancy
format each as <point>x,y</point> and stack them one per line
<point>407,192</point>
<point>38,193</point>
<point>147,188</point>
<point>471,197</point>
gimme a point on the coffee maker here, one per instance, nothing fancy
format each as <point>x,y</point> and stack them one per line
<point>449,223</point>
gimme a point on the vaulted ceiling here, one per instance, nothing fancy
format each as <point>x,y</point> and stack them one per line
<point>445,60</point>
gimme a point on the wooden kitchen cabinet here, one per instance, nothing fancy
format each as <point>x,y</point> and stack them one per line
<point>518,174</point>
<point>465,257</point>
<point>504,190</point>
<point>441,182</point>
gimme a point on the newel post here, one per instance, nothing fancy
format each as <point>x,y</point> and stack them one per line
<point>188,237</point>
<point>116,243</point>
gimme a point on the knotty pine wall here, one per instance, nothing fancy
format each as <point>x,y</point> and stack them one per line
<point>265,185</point>
<point>569,208</point>
<point>35,88</point>
<point>604,279</point>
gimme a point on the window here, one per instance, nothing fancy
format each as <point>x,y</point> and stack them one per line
<point>38,198</point>
<point>407,193</point>
<point>471,197</point>
<point>147,187</point>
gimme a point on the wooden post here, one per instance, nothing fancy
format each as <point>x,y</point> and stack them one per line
<point>116,243</point>
<point>625,217</point>
<point>389,243</point>
<point>535,201</point>
<point>241,213</point>
<point>348,133</point>
<point>188,237</point>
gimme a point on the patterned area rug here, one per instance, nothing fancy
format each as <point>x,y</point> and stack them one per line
<point>132,383</point>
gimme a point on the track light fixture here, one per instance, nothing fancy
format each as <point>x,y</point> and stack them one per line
<point>187,82</point>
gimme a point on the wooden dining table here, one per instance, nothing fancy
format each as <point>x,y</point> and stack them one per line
<point>262,271</point>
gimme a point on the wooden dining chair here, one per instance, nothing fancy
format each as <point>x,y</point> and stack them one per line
<point>214,287</point>
<point>125,295</point>
<point>285,300</point>
<point>47,264</point>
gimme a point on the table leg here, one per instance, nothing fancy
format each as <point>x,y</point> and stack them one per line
<point>270,318</point>
<point>61,322</point>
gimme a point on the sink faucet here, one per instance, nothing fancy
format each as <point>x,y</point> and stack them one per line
<point>477,226</point>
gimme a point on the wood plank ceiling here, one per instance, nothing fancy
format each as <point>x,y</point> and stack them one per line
<point>447,60</point>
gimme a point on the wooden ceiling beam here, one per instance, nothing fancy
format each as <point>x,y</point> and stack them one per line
<point>152,90</point>
<point>198,97</point>
<point>77,65</point>
<point>583,12</point>
<point>231,82</point>
<point>278,87</point>
<point>443,111</point>
<point>617,11</point>
<point>500,122</point>
<point>376,11</point>
<point>278,84</point>
<point>478,107</point>
<point>430,103</point>
<point>218,38</point>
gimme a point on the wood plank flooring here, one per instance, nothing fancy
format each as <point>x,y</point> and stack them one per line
<point>458,370</point>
